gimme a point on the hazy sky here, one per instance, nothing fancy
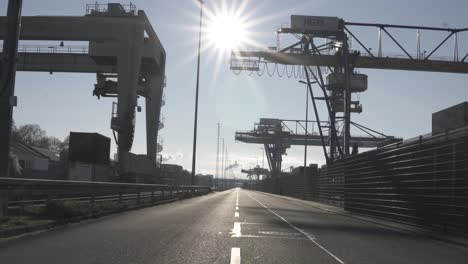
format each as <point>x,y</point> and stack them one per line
<point>397,103</point>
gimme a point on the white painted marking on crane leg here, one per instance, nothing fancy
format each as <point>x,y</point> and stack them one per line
<point>311,238</point>
<point>235,256</point>
<point>236,230</point>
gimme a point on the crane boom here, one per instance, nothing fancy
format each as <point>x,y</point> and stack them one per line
<point>389,63</point>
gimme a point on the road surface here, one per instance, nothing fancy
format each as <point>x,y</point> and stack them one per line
<point>235,226</point>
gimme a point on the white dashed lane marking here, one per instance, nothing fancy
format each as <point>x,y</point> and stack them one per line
<point>235,256</point>
<point>236,230</point>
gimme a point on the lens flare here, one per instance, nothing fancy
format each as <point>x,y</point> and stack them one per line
<point>227,31</point>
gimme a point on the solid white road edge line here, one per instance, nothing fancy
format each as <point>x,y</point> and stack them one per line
<point>299,230</point>
<point>235,256</point>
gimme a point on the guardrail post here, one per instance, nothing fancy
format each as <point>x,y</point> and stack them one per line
<point>3,204</point>
<point>93,199</point>
<point>138,196</point>
<point>170,191</point>
<point>162,193</point>
<point>152,195</point>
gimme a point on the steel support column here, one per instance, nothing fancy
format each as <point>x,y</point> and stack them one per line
<point>153,112</point>
<point>128,70</point>
<point>347,68</point>
<point>7,82</point>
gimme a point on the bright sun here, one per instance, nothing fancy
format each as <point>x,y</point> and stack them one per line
<point>227,31</point>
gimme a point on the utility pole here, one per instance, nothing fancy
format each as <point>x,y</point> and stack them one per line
<point>7,81</point>
<point>194,154</point>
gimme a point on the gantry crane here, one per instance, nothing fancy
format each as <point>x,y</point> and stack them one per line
<point>255,172</point>
<point>323,45</point>
<point>125,53</point>
<point>277,136</point>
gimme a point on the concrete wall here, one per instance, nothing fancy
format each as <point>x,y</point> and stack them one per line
<point>79,171</point>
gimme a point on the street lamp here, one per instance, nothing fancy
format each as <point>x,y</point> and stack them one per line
<point>263,157</point>
<point>194,157</point>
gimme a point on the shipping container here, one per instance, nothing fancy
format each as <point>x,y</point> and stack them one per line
<point>90,148</point>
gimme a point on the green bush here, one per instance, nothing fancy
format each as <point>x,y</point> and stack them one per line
<point>13,221</point>
<point>62,210</point>
<point>65,210</point>
<point>108,206</point>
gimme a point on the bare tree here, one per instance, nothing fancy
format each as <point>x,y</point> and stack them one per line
<point>65,143</point>
<point>33,135</point>
<point>54,144</point>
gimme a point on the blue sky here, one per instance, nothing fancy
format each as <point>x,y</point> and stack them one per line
<point>397,103</point>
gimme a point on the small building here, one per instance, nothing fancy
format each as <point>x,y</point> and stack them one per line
<point>33,162</point>
<point>172,174</point>
<point>89,158</point>
<point>204,180</point>
<point>450,118</point>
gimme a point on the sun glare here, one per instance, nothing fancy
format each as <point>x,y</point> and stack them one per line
<point>227,31</point>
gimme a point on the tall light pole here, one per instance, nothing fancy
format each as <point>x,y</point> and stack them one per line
<point>222,165</point>
<point>217,157</point>
<point>306,129</point>
<point>263,157</point>
<point>194,154</point>
<point>306,125</point>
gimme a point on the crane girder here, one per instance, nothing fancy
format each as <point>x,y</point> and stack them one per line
<point>301,140</point>
<point>430,65</point>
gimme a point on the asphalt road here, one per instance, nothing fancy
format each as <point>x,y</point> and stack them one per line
<point>210,229</point>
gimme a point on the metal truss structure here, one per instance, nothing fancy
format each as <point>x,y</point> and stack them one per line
<point>277,135</point>
<point>125,53</point>
<point>321,50</point>
<point>255,172</point>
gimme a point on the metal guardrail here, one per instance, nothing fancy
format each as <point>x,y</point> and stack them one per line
<point>103,8</point>
<point>17,192</point>
<point>54,49</point>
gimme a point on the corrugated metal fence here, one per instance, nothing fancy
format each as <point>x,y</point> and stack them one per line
<point>422,181</point>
